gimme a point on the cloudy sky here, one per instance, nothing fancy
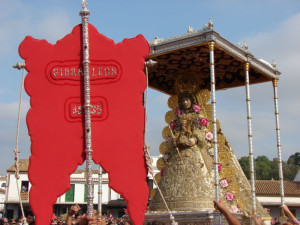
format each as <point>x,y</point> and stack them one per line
<point>270,28</point>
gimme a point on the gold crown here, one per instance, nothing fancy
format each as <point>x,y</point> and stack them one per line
<point>187,82</point>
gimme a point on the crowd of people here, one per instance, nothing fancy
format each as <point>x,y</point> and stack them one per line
<point>75,218</point>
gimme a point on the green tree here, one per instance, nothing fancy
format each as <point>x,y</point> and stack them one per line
<point>262,168</point>
<point>266,169</point>
<point>244,162</point>
<point>274,172</point>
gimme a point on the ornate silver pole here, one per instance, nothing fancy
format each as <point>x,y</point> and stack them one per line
<point>85,13</point>
<point>214,116</point>
<point>100,192</point>
<point>249,118</point>
<point>278,141</point>
<point>217,215</point>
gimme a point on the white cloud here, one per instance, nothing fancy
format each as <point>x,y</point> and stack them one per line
<point>282,45</point>
<point>51,27</point>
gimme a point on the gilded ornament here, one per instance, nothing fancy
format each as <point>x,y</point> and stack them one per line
<point>173,102</point>
<point>234,188</point>
<point>227,172</point>
<point>166,133</point>
<point>275,82</point>
<point>218,125</point>
<point>211,45</point>
<point>221,140</point>
<point>247,66</point>
<point>240,204</point>
<point>160,164</point>
<point>224,157</point>
<point>157,177</point>
<point>208,112</point>
<point>163,148</point>
<point>210,126</point>
<point>188,154</point>
<point>170,116</point>
<point>203,96</point>
<point>152,193</point>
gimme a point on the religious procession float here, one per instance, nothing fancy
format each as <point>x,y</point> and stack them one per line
<point>87,79</point>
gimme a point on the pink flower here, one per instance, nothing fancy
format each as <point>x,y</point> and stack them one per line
<point>196,108</point>
<point>220,167</point>
<point>178,112</point>
<point>229,196</point>
<point>162,172</point>
<point>203,121</point>
<point>172,124</point>
<point>234,209</point>
<point>224,183</point>
<point>209,136</point>
<point>168,139</point>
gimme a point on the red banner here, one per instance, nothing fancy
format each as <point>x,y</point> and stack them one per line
<point>55,120</point>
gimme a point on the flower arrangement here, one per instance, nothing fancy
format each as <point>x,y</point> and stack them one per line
<point>210,151</point>
<point>209,136</point>
<point>229,196</point>
<point>224,183</point>
<point>172,125</point>
<point>162,172</point>
<point>178,111</point>
<point>220,167</point>
<point>235,209</point>
<point>203,121</point>
<point>196,108</point>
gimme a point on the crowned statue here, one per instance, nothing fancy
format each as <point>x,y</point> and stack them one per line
<point>186,177</point>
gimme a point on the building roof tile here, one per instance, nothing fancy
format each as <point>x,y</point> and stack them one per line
<point>272,188</point>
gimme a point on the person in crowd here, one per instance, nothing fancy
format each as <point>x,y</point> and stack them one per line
<point>54,222</point>
<point>292,219</point>
<point>74,209</point>
<point>5,221</point>
<point>232,220</point>
<point>20,221</point>
<point>30,219</point>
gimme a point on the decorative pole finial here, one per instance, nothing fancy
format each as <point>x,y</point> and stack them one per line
<point>245,46</point>
<point>210,24</point>
<point>190,29</point>
<point>273,64</point>
<point>84,13</point>
<point>19,66</point>
<point>84,4</point>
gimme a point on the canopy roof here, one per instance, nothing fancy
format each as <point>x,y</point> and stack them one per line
<point>188,55</point>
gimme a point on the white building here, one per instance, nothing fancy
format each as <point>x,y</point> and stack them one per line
<point>111,200</point>
<point>2,194</point>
